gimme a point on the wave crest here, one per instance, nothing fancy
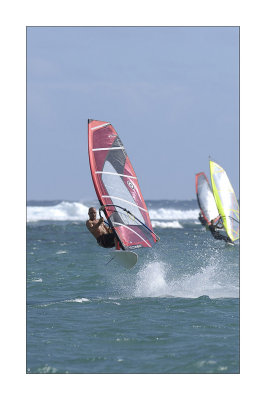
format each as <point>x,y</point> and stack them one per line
<point>75,211</point>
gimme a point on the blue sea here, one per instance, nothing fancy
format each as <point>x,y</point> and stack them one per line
<point>175,312</point>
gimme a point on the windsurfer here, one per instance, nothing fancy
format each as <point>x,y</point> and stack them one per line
<point>105,236</point>
<point>213,227</point>
<point>202,219</point>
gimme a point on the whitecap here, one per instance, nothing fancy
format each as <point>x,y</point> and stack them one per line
<point>64,211</point>
<point>173,214</point>
<point>78,300</point>
<point>166,224</point>
<point>76,211</point>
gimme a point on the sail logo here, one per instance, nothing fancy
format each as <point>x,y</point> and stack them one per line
<point>130,184</point>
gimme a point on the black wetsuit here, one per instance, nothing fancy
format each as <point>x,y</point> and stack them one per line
<point>202,220</point>
<point>107,240</point>
<point>217,235</point>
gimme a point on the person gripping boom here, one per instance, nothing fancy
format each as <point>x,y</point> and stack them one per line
<point>202,220</point>
<point>214,231</point>
<point>105,236</point>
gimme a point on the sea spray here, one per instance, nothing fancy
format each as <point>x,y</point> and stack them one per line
<point>151,281</point>
<point>161,280</point>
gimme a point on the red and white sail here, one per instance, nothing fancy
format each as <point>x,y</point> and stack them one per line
<point>117,187</point>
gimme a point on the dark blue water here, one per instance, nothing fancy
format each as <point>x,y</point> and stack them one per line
<point>176,311</point>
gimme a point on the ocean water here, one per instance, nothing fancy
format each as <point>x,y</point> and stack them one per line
<point>175,312</point>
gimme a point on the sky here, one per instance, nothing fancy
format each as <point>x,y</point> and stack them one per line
<point>171,93</point>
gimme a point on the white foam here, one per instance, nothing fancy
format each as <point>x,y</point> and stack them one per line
<point>64,211</point>
<point>79,300</point>
<point>173,214</point>
<point>160,280</point>
<point>151,281</point>
<point>75,211</point>
<point>46,370</point>
<point>166,224</point>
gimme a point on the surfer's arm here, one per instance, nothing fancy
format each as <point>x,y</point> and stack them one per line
<point>93,227</point>
<point>219,224</point>
<point>101,220</point>
<point>88,225</point>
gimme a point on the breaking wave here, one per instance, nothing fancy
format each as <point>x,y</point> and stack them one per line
<point>75,211</point>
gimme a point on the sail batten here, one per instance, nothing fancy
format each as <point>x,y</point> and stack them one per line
<point>99,126</point>
<point>114,173</point>
<point>117,187</point>
<point>107,148</point>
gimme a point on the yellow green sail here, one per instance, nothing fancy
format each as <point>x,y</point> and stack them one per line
<point>225,199</point>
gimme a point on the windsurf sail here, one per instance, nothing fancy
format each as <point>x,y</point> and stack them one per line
<point>117,187</point>
<point>225,200</point>
<point>205,199</point>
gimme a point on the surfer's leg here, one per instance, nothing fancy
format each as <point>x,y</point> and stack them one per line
<point>107,240</point>
<point>228,240</point>
<point>100,241</point>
